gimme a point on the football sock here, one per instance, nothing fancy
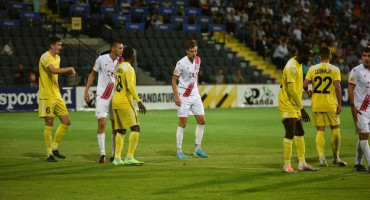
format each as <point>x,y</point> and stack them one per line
<point>198,136</point>
<point>300,146</point>
<point>120,140</point>
<point>101,141</point>
<point>320,143</point>
<point>365,150</point>
<point>113,142</point>
<point>287,151</point>
<point>359,154</point>
<point>335,142</point>
<point>322,159</point>
<point>59,134</point>
<point>48,139</point>
<point>179,136</point>
<point>133,140</point>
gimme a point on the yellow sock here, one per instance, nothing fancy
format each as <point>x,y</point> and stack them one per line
<point>335,141</point>
<point>320,143</point>
<point>300,146</point>
<point>134,139</point>
<point>120,140</point>
<point>287,150</point>
<point>59,134</point>
<point>48,139</point>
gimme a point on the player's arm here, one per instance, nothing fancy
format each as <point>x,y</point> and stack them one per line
<point>174,89</point>
<point>294,97</point>
<point>90,80</point>
<point>130,78</point>
<point>305,87</point>
<point>62,70</point>
<point>338,94</point>
<point>355,111</point>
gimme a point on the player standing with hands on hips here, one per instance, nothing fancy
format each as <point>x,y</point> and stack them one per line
<point>187,97</point>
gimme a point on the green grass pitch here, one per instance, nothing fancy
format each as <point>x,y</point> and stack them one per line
<point>246,160</point>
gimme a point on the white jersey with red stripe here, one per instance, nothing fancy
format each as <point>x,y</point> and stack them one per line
<point>106,67</point>
<point>187,72</point>
<point>360,77</point>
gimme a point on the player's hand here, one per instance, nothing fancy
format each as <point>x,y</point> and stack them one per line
<point>355,111</point>
<point>305,116</point>
<point>309,93</point>
<point>178,101</point>
<point>73,72</point>
<point>339,109</point>
<point>142,108</point>
<point>87,96</point>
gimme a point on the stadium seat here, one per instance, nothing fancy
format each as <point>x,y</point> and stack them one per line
<point>162,43</point>
<point>16,31</point>
<point>174,35</point>
<point>220,61</point>
<point>35,32</point>
<point>143,43</point>
<point>169,43</point>
<point>63,61</point>
<point>140,34</point>
<point>34,61</point>
<point>153,43</point>
<point>157,34</point>
<point>25,32</point>
<point>9,80</point>
<point>24,60</point>
<point>27,41</point>
<point>6,32</point>
<point>73,61</point>
<point>160,61</point>
<point>31,51</point>
<point>4,60</point>
<point>14,61</point>
<point>166,34</point>
<point>131,34</point>
<point>156,52</point>
<point>6,71</point>
<point>149,34</point>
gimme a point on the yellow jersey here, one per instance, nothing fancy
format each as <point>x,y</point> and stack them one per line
<point>322,77</point>
<point>125,87</point>
<point>48,82</point>
<point>292,73</point>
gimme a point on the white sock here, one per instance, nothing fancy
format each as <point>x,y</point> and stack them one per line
<point>198,136</point>
<point>179,136</point>
<point>302,163</point>
<point>101,141</point>
<point>365,150</point>
<point>359,154</point>
<point>113,143</point>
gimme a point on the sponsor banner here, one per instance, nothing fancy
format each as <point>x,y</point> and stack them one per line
<point>142,10</point>
<point>190,27</point>
<point>205,20</point>
<point>79,8</point>
<point>153,97</point>
<point>125,18</point>
<point>208,95</point>
<point>164,27</point>
<point>258,95</point>
<point>20,6</point>
<point>129,26</point>
<point>193,11</point>
<point>109,9</point>
<point>226,96</point>
<point>34,15</point>
<point>13,99</point>
<point>168,11</point>
<point>180,2</point>
<point>175,19</point>
<point>76,23</point>
<point>216,28</point>
<point>345,99</point>
<point>9,23</point>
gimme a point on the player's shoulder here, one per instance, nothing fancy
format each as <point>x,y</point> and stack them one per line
<point>183,61</point>
<point>46,55</point>
<point>358,68</point>
<point>103,57</point>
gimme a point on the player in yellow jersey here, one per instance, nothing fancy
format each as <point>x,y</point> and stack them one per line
<point>291,110</point>
<point>124,111</point>
<point>51,103</point>
<point>326,104</point>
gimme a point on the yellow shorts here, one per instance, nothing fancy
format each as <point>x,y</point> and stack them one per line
<point>292,114</point>
<point>125,118</point>
<point>52,107</point>
<point>325,119</point>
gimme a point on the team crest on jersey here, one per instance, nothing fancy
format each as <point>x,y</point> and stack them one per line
<point>119,70</point>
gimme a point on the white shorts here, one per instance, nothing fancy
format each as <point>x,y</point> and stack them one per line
<point>102,108</point>
<point>363,122</point>
<point>193,104</point>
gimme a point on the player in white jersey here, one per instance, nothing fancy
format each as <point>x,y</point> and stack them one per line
<point>105,67</point>
<point>187,97</point>
<point>359,99</point>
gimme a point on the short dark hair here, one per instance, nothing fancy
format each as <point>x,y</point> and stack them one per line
<point>128,53</point>
<point>191,44</point>
<point>114,43</point>
<point>54,39</point>
<point>304,50</point>
<point>325,53</point>
<point>366,49</point>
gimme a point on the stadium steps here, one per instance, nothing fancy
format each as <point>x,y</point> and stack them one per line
<point>249,55</point>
